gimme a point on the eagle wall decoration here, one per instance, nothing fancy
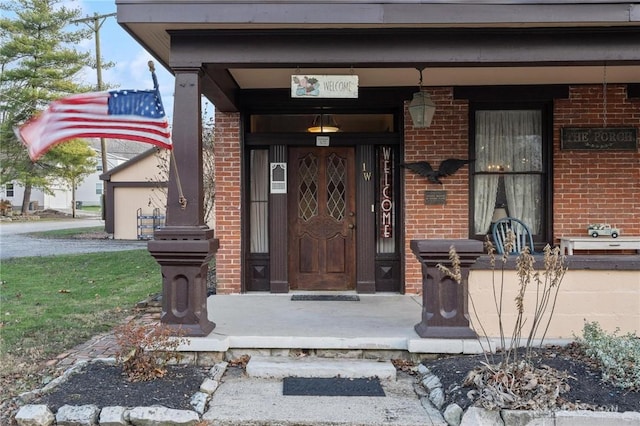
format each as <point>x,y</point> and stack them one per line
<point>446,168</point>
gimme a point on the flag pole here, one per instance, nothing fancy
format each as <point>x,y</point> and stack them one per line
<point>181,198</point>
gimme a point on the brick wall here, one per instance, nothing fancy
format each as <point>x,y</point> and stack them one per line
<point>447,137</point>
<point>596,186</point>
<point>589,186</point>
<point>228,202</point>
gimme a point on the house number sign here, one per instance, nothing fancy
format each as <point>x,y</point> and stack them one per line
<point>386,189</point>
<point>606,138</point>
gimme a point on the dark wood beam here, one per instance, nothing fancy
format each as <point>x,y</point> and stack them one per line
<point>402,48</point>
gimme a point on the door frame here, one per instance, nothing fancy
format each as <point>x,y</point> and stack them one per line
<point>272,268</point>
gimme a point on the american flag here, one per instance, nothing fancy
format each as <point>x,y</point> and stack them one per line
<point>135,115</point>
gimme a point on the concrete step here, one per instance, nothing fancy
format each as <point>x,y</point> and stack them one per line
<point>280,367</point>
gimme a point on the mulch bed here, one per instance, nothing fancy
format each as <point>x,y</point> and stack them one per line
<point>104,385</point>
<point>585,380</point>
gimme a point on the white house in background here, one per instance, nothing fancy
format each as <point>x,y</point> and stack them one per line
<point>90,190</point>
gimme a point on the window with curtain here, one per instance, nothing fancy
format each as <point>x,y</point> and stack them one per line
<point>259,201</point>
<point>509,172</point>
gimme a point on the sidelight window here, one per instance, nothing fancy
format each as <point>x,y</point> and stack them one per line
<point>259,201</point>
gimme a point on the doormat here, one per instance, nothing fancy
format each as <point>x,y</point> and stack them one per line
<point>334,386</point>
<point>327,297</point>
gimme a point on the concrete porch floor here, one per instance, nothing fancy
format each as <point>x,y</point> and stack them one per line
<point>381,322</point>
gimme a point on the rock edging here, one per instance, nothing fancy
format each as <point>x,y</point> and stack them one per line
<point>429,389</point>
<point>90,415</point>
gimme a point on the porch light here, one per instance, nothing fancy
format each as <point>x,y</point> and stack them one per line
<point>421,108</point>
<point>323,124</point>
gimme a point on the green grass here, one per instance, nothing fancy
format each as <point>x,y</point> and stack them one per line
<point>66,233</point>
<point>91,208</point>
<point>50,304</point>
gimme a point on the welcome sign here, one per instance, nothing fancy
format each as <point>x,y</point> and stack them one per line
<point>324,86</point>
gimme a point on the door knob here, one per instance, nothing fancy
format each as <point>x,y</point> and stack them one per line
<point>351,226</point>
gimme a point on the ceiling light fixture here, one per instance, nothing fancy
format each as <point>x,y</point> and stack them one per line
<point>421,107</point>
<point>324,124</point>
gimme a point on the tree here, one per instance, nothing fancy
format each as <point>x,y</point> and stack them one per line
<point>38,64</point>
<point>76,161</point>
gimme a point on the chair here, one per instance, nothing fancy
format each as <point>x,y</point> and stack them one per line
<point>520,231</point>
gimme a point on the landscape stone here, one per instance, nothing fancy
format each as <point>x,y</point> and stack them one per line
<point>162,416</point>
<point>113,416</point>
<point>431,382</point>
<point>475,416</point>
<point>209,386</point>
<point>199,402</point>
<point>437,397</point>
<point>77,415</point>
<point>423,370</point>
<point>528,418</point>
<point>453,414</point>
<point>34,415</point>
<point>218,370</point>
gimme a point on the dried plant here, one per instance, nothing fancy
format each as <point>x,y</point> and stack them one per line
<point>513,381</point>
<point>146,349</point>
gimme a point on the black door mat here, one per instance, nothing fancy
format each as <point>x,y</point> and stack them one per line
<point>334,386</point>
<point>327,297</point>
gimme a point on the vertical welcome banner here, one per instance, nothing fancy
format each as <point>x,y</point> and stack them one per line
<point>386,192</point>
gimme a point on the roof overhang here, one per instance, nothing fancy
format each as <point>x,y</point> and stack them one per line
<point>260,44</point>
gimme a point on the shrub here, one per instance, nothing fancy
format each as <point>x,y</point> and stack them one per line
<point>514,382</point>
<point>145,350</point>
<point>618,356</point>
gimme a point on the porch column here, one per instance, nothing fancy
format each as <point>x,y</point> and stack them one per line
<point>445,312</point>
<point>184,247</point>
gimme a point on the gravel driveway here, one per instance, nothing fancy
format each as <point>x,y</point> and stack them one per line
<point>14,242</point>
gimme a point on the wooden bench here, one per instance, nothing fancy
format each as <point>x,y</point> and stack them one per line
<point>600,243</point>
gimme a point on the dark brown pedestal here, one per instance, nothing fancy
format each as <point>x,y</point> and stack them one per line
<point>184,254</point>
<point>445,311</point>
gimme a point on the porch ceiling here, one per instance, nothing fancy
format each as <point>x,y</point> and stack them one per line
<point>260,44</point>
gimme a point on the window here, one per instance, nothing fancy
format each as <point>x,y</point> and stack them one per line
<point>99,188</point>
<point>8,188</point>
<point>259,201</point>
<point>99,167</point>
<point>509,172</point>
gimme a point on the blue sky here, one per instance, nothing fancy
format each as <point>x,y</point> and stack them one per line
<point>130,70</point>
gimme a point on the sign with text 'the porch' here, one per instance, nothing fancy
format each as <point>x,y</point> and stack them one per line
<point>324,86</point>
<point>605,138</point>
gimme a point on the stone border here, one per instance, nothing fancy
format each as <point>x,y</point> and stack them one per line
<point>429,389</point>
<point>41,415</point>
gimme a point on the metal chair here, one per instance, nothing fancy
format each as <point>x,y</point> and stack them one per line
<point>521,233</point>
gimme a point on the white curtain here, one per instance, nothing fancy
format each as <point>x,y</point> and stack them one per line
<point>259,205</point>
<point>509,143</point>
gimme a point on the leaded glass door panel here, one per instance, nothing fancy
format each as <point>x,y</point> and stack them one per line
<point>321,218</point>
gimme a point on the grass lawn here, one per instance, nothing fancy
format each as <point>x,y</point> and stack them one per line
<point>66,233</point>
<point>51,304</point>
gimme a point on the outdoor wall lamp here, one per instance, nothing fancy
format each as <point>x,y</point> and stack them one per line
<point>421,108</point>
<point>323,124</point>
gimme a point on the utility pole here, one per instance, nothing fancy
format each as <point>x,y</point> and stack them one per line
<point>95,23</point>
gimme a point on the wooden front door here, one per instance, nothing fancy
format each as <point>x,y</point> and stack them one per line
<point>321,218</point>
